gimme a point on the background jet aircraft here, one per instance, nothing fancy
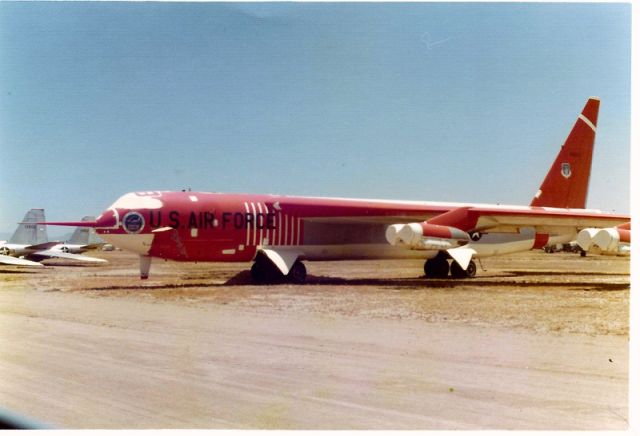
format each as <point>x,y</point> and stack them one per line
<point>82,239</point>
<point>10,260</point>
<point>278,232</point>
<point>29,244</point>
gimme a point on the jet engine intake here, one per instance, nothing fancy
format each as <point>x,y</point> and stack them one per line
<point>425,236</point>
<point>608,239</point>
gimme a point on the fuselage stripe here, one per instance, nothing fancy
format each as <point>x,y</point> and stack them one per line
<point>260,212</point>
<point>286,228</point>
<point>246,206</point>
<point>293,230</point>
<point>267,232</point>
<point>253,237</point>
<point>279,228</point>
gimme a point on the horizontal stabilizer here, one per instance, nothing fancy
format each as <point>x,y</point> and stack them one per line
<point>10,260</point>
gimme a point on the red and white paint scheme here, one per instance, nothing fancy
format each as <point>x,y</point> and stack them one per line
<point>278,232</point>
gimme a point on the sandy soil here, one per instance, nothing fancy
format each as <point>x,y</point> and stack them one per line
<point>537,341</point>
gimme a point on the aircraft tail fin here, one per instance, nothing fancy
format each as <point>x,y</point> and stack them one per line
<point>80,235</point>
<point>567,182</point>
<point>28,231</point>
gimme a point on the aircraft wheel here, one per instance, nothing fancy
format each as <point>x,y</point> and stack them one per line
<point>257,273</point>
<point>583,253</point>
<point>263,271</point>
<point>471,270</point>
<point>436,268</point>
<point>458,273</point>
<point>298,273</point>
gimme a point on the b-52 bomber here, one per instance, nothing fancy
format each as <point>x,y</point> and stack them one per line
<point>278,232</point>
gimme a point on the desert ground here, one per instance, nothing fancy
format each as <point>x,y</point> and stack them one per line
<point>535,341</point>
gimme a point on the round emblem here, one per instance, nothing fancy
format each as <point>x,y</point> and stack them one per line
<point>566,170</point>
<point>133,222</point>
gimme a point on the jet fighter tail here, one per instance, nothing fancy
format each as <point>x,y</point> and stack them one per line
<point>29,231</point>
<point>80,235</point>
<point>567,182</point>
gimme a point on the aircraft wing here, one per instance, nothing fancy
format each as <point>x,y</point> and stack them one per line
<point>481,218</point>
<point>544,220</point>
<point>63,255</point>
<point>10,260</point>
<point>42,246</point>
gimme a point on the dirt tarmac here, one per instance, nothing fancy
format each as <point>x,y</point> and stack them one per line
<point>537,341</point>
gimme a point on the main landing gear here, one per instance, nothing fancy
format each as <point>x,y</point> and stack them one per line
<point>438,268</point>
<point>264,271</point>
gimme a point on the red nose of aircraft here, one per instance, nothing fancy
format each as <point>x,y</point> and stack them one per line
<point>107,220</point>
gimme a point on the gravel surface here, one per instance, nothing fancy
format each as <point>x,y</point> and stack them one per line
<point>535,341</point>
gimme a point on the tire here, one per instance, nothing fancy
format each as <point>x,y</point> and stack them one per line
<point>472,270</point>
<point>263,271</point>
<point>297,273</point>
<point>258,275</point>
<point>458,273</point>
<point>437,268</point>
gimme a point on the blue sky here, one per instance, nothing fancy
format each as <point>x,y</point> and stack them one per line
<point>417,101</point>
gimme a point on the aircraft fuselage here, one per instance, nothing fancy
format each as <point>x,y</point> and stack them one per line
<point>202,226</point>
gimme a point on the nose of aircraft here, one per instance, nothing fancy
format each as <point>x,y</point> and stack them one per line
<point>107,220</point>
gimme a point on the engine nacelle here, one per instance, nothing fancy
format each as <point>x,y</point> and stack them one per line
<point>608,239</point>
<point>585,238</point>
<point>425,236</point>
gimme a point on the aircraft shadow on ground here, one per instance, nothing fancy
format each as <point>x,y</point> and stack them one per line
<point>16,271</point>
<point>243,278</point>
<point>563,273</point>
<point>71,265</point>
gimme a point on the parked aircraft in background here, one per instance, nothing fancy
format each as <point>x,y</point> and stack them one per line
<point>82,239</point>
<point>611,240</point>
<point>29,244</point>
<point>278,232</point>
<point>10,260</point>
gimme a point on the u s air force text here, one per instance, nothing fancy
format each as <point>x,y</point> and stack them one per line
<point>210,220</point>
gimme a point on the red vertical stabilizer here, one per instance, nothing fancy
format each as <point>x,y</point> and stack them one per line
<point>567,182</point>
